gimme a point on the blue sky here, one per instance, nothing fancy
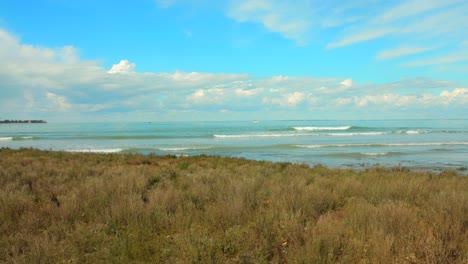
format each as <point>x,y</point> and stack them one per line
<point>164,60</point>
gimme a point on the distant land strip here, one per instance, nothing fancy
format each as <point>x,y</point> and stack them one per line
<point>22,122</point>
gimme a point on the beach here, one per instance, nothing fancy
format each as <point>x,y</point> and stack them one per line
<point>58,206</point>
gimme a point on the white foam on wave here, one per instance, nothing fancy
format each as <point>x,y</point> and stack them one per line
<point>356,134</point>
<point>300,135</point>
<point>383,145</point>
<point>14,138</point>
<point>374,153</point>
<point>314,128</point>
<point>182,149</point>
<point>23,138</point>
<point>114,150</point>
<point>427,144</point>
<point>411,132</point>
<point>260,135</point>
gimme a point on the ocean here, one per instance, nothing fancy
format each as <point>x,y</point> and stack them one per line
<point>420,144</point>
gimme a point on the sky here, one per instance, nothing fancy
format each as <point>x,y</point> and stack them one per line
<point>208,60</point>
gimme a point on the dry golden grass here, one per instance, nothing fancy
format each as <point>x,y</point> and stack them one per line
<point>60,207</point>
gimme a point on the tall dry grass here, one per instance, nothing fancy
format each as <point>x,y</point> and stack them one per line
<point>60,207</point>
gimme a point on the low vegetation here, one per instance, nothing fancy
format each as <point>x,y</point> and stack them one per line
<point>58,207</point>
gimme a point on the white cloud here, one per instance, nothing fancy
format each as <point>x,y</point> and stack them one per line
<point>69,54</point>
<point>30,67</point>
<point>288,19</point>
<point>342,101</point>
<point>123,67</point>
<point>248,93</point>
<point>401,51</point>
<point>295,98</point>
<point>334,87</point>
<point>452,57</point>
<point>40,79</point>
<point>347,83</point>
<point>411,19</point>
<point>279,78</point>
<point>289,100</point>
<point>57,103</point>
<point>413,7</point>
<point>361,36</point>
<point>28,96</point>
<point>385,100</point>
<point>412,24</point>
<point>457,96</point>
<point>208,96</point>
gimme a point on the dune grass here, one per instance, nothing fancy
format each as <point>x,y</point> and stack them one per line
<point>58,207</point>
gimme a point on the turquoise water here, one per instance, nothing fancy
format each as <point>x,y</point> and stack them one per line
<point>433,144</point>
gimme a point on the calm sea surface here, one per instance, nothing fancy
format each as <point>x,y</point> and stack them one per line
<point>426,144</point>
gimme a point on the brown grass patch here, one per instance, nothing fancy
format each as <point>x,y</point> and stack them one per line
<point>69,207</point>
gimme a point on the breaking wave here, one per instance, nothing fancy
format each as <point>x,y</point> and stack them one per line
<point>318,128</point>
<point>113,150</point>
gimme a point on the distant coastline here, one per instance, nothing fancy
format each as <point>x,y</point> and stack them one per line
<point>23,122</point>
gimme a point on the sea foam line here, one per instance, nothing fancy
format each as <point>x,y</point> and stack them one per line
<point>412,132</point>
<point>15,138</point>
<point>374,153</point>
<point>300,135</point>
<point>182,148</point>
<point>355,134</point>
<point>261,135</point>
<point>315,128</point>
<point>115,150</point>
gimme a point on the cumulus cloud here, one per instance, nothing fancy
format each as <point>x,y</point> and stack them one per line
<point>207,96</point>
<point>40,79</point>
<point>457,96</point>
<point>347,83</point>
<point>290,100</point>
<point>248,93</point>
<point>295,98</point>
<point>123,67</point>
<point>57,103</point>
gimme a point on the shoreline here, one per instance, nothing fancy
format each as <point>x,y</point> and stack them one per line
<point>360,166</point>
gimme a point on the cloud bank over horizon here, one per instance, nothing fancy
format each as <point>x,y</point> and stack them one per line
<point>57,84</point>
